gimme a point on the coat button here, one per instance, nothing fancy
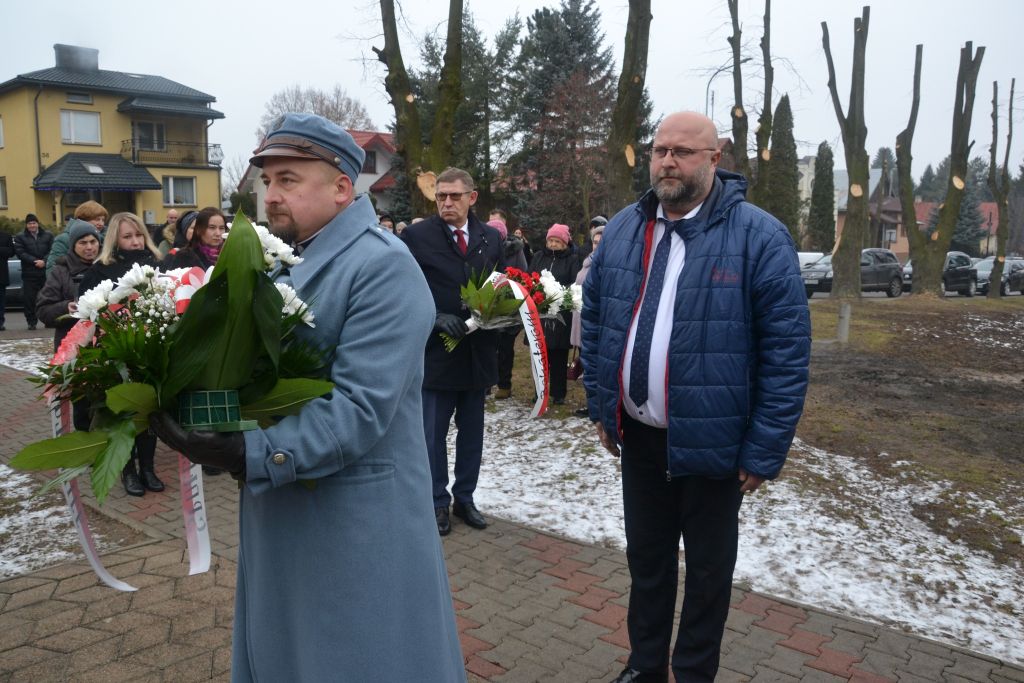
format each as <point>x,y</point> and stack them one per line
<point>279,458</point>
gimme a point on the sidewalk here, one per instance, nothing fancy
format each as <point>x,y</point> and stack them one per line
<point>530,606</point>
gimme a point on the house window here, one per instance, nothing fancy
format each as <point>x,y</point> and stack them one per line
<point>79,127</point>
<point>3,193</point>
<point>370,165</point>
<point>179,191</point>
<point>150,136</point>
<point>79,98</point>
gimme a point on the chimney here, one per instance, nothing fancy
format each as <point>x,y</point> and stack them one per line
<point>77,58</point>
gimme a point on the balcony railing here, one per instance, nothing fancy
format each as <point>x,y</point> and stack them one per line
<point>171,153</point>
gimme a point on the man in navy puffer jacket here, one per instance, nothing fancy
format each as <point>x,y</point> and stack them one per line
<point>696,366</point>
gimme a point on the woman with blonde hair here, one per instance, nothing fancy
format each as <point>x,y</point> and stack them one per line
<point>127,243</point>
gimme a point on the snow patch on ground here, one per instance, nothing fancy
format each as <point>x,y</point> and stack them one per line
<point>34,532</point>
<point>861,552</point>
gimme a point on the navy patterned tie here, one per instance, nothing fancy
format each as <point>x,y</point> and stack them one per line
<point>641,358</point>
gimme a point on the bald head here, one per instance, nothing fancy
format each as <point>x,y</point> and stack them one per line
<point>683,161</point>
<point>694,126</point>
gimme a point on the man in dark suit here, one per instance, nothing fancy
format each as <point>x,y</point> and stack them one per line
<point>32,246</point>
<point>6,252</point>
<point>451,247</point>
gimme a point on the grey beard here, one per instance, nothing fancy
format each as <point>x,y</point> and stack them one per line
<point>683,192</point>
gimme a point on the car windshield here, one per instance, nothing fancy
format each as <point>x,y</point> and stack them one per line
<point>984,265</point>
<point>823,261</point>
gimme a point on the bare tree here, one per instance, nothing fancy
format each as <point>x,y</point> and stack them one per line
<point>622,143</point>
<point>846,259</point>
<point>928,270</point>
<point>1000,187</point>
<point>741,161</point>
<point>904,163</point>
<point>335,105</point>
<point>422,162</point>
<point>231,174</point>
<point>764,122</point>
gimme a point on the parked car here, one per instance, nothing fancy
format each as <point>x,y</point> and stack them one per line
<point>1013,277</point>
<point>806,257</point>
<point>14,297</point>
<point>879,272</point>
<point>959,274</point>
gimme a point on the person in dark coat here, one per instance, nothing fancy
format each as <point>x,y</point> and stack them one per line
<point>58,298</point>
<point>205,244</point>
<point>696,344</point>
<point>128,242</point>
<point>559,257</point>
<point>450,248</point>
<point>512,248</point>
<point>6,252</point>
<point>32,246</point>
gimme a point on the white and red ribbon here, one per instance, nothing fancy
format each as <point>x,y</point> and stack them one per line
<point>61,413</point>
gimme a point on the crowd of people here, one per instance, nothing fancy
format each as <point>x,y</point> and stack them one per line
<point>694,339</point>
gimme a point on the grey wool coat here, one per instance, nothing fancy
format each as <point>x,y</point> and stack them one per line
<point>347,581</point>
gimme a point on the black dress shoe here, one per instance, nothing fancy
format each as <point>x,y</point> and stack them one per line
<point>150,481</point>
<point>470,515</point>
<point>212,471</point>
<point>132,483</point>
<point>629,675</point>
<point>581,412</point>
<point>444,524</point>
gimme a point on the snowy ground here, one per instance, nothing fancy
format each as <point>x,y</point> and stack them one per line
<point>861,553</point>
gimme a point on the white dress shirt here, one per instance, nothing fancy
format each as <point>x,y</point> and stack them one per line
<point>654,411</point>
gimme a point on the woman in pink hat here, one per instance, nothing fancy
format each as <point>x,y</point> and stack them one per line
<point>558,256</point>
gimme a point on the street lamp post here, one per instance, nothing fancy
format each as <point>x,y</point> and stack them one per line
<point>707,90</point>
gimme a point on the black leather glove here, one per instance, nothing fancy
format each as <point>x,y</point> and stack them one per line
<point>225,450</point>
<point>452,325</point>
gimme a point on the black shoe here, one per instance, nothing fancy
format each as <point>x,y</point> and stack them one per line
<point>470,515</point>
<point>444,525</point>
<point>558,401</point>
<point>629,675</point>
<point>150,481</point>
<point>2,328</point>
<point>212,471</point>
<point>132,483</point>
<point>32,326</point>
<point>581,412</point>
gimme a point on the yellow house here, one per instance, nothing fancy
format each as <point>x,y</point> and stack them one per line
<point>132,142</point>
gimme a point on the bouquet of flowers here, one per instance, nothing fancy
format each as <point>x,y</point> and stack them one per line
<point>491,305</point>
<point>153,337</point>
<point>548,293</point>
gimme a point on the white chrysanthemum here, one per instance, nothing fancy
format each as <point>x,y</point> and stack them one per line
<point>132,282</point>
<point>553,292</point>
<point>95,300</point>
<point>293,304</point>
<point>576,292</point>
<point>275,249</point>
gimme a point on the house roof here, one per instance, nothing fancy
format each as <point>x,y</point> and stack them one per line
<point>364,138</point>
<point>842,185</point>
<point>108,172</point>
<point>156,105</point>
<point>385,182</point>
<point>106,81</point>
<point>989,212</point>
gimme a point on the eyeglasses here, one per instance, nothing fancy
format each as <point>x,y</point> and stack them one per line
<point>679,152</point>
<point>454,196</point>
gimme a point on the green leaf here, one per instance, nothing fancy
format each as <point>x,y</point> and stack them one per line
<point>65,476</point>
<point>286,398</point>
<point>198,330</point>
<point>132,398</point>
<point>113,458</point>
<point>67,450</point>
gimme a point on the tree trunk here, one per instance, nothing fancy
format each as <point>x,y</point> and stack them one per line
<point>764,123</point>
<point>622,143</point>
<point>960,149</point>
<point>846,259</point>
<point>1000,187</point>
<point>741,161</point>
<point>904,162</point>
<point>420,159</point>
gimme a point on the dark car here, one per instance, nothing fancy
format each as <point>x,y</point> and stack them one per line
<point>879,272</point>
<point>1015,283</point>
<point>958,274</point>
<point>1011,267</point>
<point>14,297</point>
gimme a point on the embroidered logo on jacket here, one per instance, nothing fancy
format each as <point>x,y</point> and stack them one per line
<point>724,276</point>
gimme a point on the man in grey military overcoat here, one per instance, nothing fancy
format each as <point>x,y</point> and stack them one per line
<point>345,581</point>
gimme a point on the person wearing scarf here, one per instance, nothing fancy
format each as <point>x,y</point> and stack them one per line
<point>208,230</point>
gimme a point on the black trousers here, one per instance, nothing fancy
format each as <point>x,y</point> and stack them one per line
<point>30,291</point>
<point>558,367</point>
<point>658,510</point>
<point>468,407</point>
<point>506,357</point>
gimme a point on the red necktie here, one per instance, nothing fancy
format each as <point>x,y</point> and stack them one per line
<point>460,238</point>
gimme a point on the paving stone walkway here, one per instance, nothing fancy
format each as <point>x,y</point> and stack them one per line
<point>530,606</point>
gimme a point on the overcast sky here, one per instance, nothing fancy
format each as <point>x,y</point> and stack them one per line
<point>243,52</point>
